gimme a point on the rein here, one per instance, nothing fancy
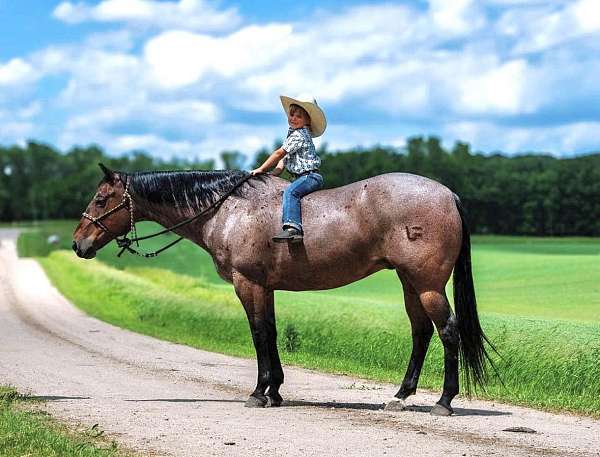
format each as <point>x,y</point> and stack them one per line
<point>125,243</point>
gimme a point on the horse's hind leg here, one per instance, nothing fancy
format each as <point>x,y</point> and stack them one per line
<point>438,309</point>
<point>422,330</point>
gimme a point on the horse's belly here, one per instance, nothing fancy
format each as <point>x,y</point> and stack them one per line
<point>324,273</point>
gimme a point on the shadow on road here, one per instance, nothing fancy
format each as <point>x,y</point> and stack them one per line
<point>186,400</point>
<point>333,405</point>
<point>459,411</point>
<point>380,406</point>
<point>53,397</point>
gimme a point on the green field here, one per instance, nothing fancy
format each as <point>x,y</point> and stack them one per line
<point>25,432</point>
<point>539,302</point>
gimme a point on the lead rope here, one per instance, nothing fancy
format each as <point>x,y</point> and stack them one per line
<point>125,243</point>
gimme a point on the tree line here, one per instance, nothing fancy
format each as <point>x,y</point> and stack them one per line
<point>527,194</point>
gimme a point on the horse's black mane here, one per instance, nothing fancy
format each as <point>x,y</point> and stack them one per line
<point>194,189</point>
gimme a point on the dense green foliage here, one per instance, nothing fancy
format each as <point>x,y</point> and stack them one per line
<point>29,433</point>
<point>527,194</point>
<point>39,182</point>
<point>538,298</point>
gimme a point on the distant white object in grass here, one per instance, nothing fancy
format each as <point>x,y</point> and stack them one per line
<point>53,239</point>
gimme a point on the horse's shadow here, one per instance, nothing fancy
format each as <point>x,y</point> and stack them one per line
<point>381,406</point>
<point>334,405</point>
<point>459,411</point>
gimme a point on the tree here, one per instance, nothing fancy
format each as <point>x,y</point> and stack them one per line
<point>233,160</point>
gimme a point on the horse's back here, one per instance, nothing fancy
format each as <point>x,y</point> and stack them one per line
<point>385,197</point>
<point>396,220</point>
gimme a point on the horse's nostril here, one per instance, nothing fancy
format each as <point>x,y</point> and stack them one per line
<point>74,246</point>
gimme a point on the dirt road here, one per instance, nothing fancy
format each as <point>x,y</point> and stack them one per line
<point>166,399</point>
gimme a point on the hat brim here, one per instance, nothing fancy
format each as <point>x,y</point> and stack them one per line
<point>318,123</point>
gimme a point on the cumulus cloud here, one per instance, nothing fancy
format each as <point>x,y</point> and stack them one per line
<point>16,132</point>
<point>500,90</point>
<point>470,70</point>
<point>457,16</point>
<point>559,140</point>
<point>184,14</point>
<point>180,58</point>
<point>16,72</point>
<point>208,144</point>
<point>154,114</point>
<point>543,26</point>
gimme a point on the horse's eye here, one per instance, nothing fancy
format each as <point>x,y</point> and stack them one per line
<point>101,202</point>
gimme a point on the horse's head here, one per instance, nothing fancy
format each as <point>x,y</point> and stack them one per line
<point>106,217</point>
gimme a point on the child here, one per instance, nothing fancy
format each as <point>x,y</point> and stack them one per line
<point>299,156</point>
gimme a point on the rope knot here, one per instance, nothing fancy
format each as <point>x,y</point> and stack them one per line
<point>123,242</point>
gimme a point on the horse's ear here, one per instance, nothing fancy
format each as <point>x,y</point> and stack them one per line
<point>108,174</point>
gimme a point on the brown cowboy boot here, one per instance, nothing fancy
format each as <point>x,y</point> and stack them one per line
<point>290,234</point>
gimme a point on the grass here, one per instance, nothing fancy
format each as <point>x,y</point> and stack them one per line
<point>32,433</point>
<point>539,303</point>
<point>546,278</point>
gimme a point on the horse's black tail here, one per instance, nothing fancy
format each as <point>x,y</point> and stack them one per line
<point>472,339</point>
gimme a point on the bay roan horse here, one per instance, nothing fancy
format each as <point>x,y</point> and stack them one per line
<point>395,221</point>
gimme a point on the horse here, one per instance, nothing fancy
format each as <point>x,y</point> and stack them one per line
<point>397,221</point>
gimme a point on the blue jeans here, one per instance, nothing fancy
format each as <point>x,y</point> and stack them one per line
<point>292,210</point>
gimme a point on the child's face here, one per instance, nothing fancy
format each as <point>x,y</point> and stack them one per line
<point>298,118</point>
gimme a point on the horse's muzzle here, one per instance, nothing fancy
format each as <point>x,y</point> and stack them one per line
<point>84,249</point>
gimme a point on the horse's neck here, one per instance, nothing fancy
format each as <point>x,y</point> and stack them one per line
<point>167,216</point>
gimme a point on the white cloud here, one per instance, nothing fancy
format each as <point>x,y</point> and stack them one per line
<point>522,2</point>
<point>172,84</point>
<point>15,72</point>
<point>31,110</point>
<point>540,27</point>
<point>567,138</point>
<point>179,58</point>
<point>153,113</point>
<point>16,131</point>
<point>209,145</point>
<point>499,90</point>
<point>151,142</point>
<point>587,15</point>
<point>184,14</point>
<point>456,16</point>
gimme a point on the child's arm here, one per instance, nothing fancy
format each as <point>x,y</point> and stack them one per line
<point>278,168</point>
<point>273,159</point>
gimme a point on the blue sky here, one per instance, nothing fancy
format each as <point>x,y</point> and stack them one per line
<point>191,78</point>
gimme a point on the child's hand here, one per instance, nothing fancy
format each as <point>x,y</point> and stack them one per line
<point>256,171</point>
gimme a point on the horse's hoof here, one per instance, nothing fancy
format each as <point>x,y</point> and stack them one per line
<point>274,401</point>
<point>254,402</point>
<point>440,410</point>
<point>395,405</point>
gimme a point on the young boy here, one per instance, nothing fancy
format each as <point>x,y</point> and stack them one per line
<point>299,156</point>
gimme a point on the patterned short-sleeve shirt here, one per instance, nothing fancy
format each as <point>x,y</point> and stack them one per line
<point>301,153</point>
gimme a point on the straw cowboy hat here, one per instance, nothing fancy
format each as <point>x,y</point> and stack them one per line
<point>318,123</point>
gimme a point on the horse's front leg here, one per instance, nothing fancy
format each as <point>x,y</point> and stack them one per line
<point>276,369</point>
<point>258,303</point>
